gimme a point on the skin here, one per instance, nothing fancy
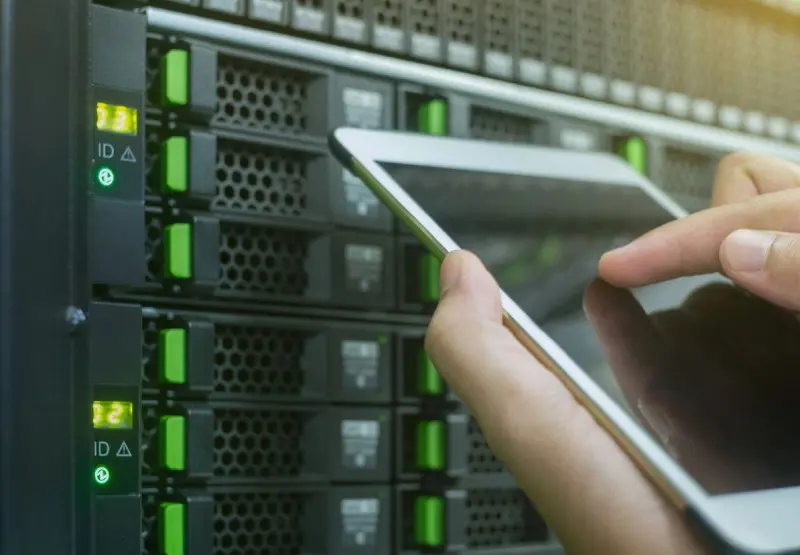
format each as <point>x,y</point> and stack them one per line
<point>582,483</point>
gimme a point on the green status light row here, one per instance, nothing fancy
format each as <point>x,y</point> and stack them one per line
<point>429,525</point>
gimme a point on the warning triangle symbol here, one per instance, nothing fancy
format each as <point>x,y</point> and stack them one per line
<point>123,450</point>
<point>128,156</point>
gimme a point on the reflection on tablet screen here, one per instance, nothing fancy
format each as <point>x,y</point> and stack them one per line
<point>712,373</point>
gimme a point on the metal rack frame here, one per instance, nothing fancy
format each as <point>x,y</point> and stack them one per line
<point>45,442</point>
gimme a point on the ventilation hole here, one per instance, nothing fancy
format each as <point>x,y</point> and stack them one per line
<point>149,439</point>
<point>153,247</point>
<point>492,125</point>
<point>150,543</point>
<point>480,459</point>
<point>155,50</point>
<point>561,33</point>
<point>262,180</point>
<point>260,97</point>
<point>423,17</point>
<point>687,173</point>
<point>152,156</point>
<point>499,21</point>
<point>617,40</point>
<point>462,20</point>
<point>149,353</point>
<point>501,518</point>
<point>267,524</point>
<point>350,8</point>
<point>258,361</point>
<point>651,64</point>
<point>258,444</point>
<point>389,13</point>
<point>532,40</point>
<point>269,261</point>
<point>590,35</point>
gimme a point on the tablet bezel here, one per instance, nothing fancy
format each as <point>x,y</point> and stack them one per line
<point>752,522</point>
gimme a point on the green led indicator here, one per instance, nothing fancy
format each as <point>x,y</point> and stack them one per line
<point>106,177</point>
<point>172,344</point>
<point>175,78</point>
<point>429,382</point>
<point>634,150</point>
<point>175,165</point>
<point>432,117</point>
<point>172,434</point>
<point>101,475</point>
<point>172,523</point>
<point>430,445</point>
<point>178,251</point>
<point>429,521</point>
<point>429,278</point>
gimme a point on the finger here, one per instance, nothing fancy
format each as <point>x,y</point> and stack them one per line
<point>572,470</point>
<point>765,263</point>
<point>742,176</point>
<point>691,245</point>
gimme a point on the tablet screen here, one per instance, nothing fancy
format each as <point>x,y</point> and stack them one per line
<point>709,371</point>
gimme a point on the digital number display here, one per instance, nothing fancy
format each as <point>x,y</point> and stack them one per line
<point>112,415</point>
<point>117,119</point>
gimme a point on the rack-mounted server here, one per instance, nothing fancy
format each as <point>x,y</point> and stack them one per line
<point>243,316</point>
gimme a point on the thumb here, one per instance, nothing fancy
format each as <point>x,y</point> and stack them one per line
<point>474,352</point>
<point>766,263</point>
<point>587,490</point>
<point>467,285</point>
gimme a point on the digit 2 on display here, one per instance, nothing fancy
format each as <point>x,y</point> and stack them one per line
<point>112,415</point>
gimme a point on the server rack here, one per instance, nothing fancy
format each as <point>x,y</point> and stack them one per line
<point>213,270</point>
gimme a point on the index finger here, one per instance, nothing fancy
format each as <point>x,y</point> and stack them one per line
<point>690,246</point>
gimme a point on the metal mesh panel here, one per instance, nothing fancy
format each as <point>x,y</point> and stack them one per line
<point>258,361</point>
<point>264,180</point>
<point>262,97</point>
<point>258,443</point>
<point>249,523</point>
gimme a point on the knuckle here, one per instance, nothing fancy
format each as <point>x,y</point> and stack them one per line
<point>435,335</point>
<point>736,160</point>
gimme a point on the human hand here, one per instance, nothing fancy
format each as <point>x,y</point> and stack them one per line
<point>582,483</point>
<point>751,233</point>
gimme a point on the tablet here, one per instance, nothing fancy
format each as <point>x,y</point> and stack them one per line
<point>540,218</point>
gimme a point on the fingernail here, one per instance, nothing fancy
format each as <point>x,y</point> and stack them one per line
<point>747,250</point>
<point>620,244</point>
<point>617,250</point>
<point>450,274</point>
